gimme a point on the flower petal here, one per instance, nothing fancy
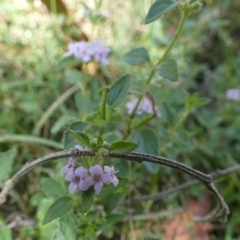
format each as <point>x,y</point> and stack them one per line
<point>65,169</point>
<point>96,170</point>
<point>98,187</point>
<point>107,178</point>
<point>81,171</point>
<point>84,185</point>
<point>72,188</point>
<point>70,175</point>
<point>115,181</point>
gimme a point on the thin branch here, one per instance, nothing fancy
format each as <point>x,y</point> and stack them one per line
<point>221,209</point>
<point>152,216</point>
<point>164,194</point>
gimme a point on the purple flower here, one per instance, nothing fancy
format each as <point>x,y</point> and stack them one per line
<point>144,106</point>
<point>71,162</point>
<point>100,52</point>
<point>85,51</point>
<point>110,172</point>
<point>77,179</point>
<point>233,94</point>
<point>80,50</point>
<point>70,166</point>
<point>79,147</point>
<point>97,178</point>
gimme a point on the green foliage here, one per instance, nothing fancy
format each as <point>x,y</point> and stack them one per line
<point>80,137</point>
<point>122,147</point>
<point>148,143</point>
<point>6,160</point>
<point>168,69</point>
<point>159,8</point>
<point>119,90</point>
<point>198,125</point>
<point>60,206</point>
<point>136,56</point>
<point>52,188</point>
<point>87,200</point>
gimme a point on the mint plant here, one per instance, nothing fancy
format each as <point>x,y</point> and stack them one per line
<point>121,124</point>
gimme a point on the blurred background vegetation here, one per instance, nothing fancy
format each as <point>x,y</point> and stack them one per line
<point>39,95</point>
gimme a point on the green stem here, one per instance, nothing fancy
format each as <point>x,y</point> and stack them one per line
<point>104,103</point>
<point>174,129</point>
<point>175,37</point>
<point>144,121</point>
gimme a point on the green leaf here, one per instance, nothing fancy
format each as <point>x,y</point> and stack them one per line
<point>136,56</point>
<point>30,139</point>
<point>122,147</point>
<point>99,141</point>
<point>80,136</point>
<point>87,200</point>
<point>69,140</point>
<point>148,143</point>
<point>159,8</point>
<point>5,233</point>
<point>168,69</point>
<point>114,218</point>
<point>67,225</point>
<point>51,188</point>
<point>82,101</point>
<point>168,113</point>
<point>61,122</point>
<point>6,163</point>
<point>111,202</point>
<point>119,90</point>
<point>65,62</point>
<point>194,101</point>
<point>73,76</point>
<point>58,208</point>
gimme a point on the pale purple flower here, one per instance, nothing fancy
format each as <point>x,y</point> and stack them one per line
<point>79,147</point>
<point>100,52</point>
<point>80,50</point>
<point>86,51</point>
<point>110,172</point>
<point>144,106</point>
<point>77,178</point>
<point>71,162</point>
<point>70,166</point>
<point>97,178</point>
<point>233,94</point>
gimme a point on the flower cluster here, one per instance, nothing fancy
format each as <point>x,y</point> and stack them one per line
<point>87,50</point>
<point>144,106</point>
<point>83,178</point>
<point>233,94</point>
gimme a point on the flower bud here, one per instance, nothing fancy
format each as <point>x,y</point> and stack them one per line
<point>195,6</point>
<point>103,152</point>
<point>93,143</point>
<point>106,145</point>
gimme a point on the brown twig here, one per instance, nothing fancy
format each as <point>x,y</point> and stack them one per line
<point>221,210</point>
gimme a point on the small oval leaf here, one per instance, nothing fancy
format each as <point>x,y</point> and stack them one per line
<point>168,69</point>
<point>159,8</point>
<point>119,90</point>
<point>148,143</point>
<point>58,208</point>
<point>80,136</point>
<point>122,147</point>
<point>73,76</point>
<point>87,200</point>
<point>51,188</point>
<point>136,56</point>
